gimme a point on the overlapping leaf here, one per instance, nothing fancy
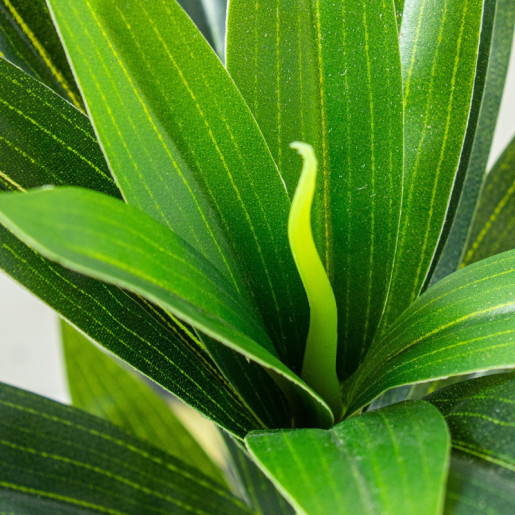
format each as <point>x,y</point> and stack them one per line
<point>463,324</point>
<point>392,461</point>
<point>104,238</point>
<point>58,459</point>
<point>328,73</point>
<point>494,223</point>
<point>29,40</point>
<point>481,419</point>
<point>494,55</point>
<point>44,140</point>
<point>103,388</point>
<point>439,46</point>
<point>189,154</point>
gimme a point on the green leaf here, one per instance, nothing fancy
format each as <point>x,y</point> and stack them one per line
<point>189,154</point>
<point>328,74</point>
<point>259,491</point>
<point>463,324</point>
<point>102,387</point>
<point>392,461</point>
<point>195,10</point>
<point>29,40</point>
<point>493,60</point>
<point>439,48</point>
<point>104,238</point>
<point>55,456</point>
<point>493,229</point>
<point>44,140</point>
<point>481,419</point>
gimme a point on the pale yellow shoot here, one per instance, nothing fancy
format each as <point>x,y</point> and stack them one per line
<point>319,365</point>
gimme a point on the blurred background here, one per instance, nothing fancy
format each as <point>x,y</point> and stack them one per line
<point>30,355</point>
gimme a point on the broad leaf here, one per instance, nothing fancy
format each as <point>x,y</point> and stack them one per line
<point>329,74</point>
<point>29,40</point>
<point>463,324</point>
<point>260,493</point>
<point>102,387</point>
<point>104,238</point>
<point>494,223</point>
<point>59,459</point>
<point>393,461</point>
<point>494,57</point>
<point>439,48</point>
<point>186,152</point>
<point>44,140</point>
<point>481,419</point>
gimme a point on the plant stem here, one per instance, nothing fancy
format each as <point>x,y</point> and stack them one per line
<point>319,365</point>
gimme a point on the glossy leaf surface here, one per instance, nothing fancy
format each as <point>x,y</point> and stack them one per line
<point>494,56</point>
<point>328,74</point>
<point>494,224</point>
<point>44,140</point>
<point>29,40</point>
<point>189,154</point>
<point>392,461</point>
<point>64,459</point>
<point>481,419</point>
<point>104,238</point>
<point>439,47</point>
<point>463,324</point>
<point>101,386</point>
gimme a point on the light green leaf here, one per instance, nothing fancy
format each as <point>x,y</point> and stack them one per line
<point>260,492</point>
<point>62,459</point>
<point>29,40</point>
<point>44,140</point>
<point>494,56</point>
<point>328,74</point>
<point>189,154</point>
<point>493,230</point>
<point>102,387</point>
<point>439,47</point>
<point>104,238</point>
<point>481,417</point>
<point>463,324</point>
<point>393,461</point>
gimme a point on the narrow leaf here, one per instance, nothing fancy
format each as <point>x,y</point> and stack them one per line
<point>329,74</point>
<point>29,40</point>
<point>494,223</point>
<point>185,149</point>
<point>393,461</point>
<point>58,455</point>
<point>481,419</point>
<point>102,387</point>
<point>463,324</point>
<point>439,47</point>
<point>104,238</point>
<point>493,60</point>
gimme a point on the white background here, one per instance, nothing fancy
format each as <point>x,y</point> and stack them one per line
<point>30,356</point>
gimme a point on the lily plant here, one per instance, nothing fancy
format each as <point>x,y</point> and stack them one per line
<point>282,218</point>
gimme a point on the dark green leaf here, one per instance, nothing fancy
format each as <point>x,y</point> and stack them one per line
<point>185,149</point>
<point>494,57</point>
<point>104,388</point>
<point>104,238</point>
<point>29,40</point>
<point>481,417</point>
<point>493,230</point>
<point>463,324</point>
<point>44,140</point>
<point>439,47</point>
<point>260,492</point>
<point>392,461</point>
<point>50,452</point>
<point>328,73</point>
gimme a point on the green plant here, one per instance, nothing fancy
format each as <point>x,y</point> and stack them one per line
<point>191,278</point>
